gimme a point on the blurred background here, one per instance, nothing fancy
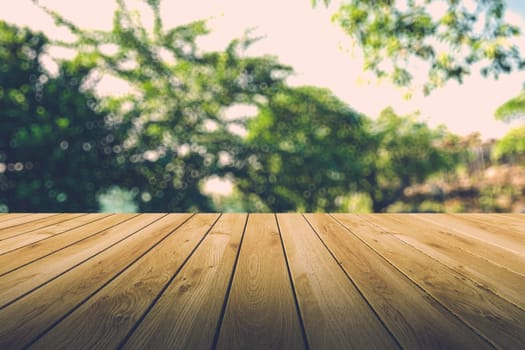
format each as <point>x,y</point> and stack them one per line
<point>331,106</point>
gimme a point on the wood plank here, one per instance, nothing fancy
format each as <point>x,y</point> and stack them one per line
<point>21,281</point>
<point>415,319</point>
<point>30,317</point>
<point>468,229</point>
<point>31,221</point>
<point>428,239</point>
<point>32,226</point>
<point>187,314</point>
<point>260,311</point>
<point>494,253</point>
<point>493,317</point>
<point>25,255</point>
<point>75,220</point>
<point>335,314</point>
<point>5,217</point>
<point>497,224</point>
<point>515,217</point>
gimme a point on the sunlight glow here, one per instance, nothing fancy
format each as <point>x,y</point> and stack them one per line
<point>304,38</point>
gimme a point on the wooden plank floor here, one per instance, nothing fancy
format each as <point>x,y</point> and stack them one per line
<point>262,281</point>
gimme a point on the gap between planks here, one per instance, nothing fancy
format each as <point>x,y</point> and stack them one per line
<point>287,240</point>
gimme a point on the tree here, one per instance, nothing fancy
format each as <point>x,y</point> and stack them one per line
<point>306,151</point>
<point>53,144</point>
<point>512,109</point>
<point>172,126</point>
<point>398,35</point>
<point>404,151</point>
<point>511,147</point>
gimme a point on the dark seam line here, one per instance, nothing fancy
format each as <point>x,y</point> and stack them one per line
<point>296,302</point>
<point>18,217</point>
<point>69,245</point>
<point>355,286</point>
<point>37,228</point>
<point>56,234</point>
<point>159,295</point>
<point>83,301</point>
<point>449,231</point>
<point>27,222</point>
<point>487,340</point>
<point>459,272</point>
<point>74,266</point>
<point>459,318</point>
<point>228,289</point>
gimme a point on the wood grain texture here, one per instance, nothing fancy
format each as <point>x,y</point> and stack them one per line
<point>429,240</point>
<point>23,224</point>
<point>35,251</point>
<point>494,318</point>
<point>102,321</point>
<point>5,217</point>
<point>47,305</point>
<point>414,318</point>
<point>27,228</point>
<point>47,232</point>
<point>513,217</point>
<point>494,253</point>
<point>187,314</point>
<point>21,281</point>
<point>23,219</point>
<point>134,281</point>
<point>498,225</point>
<point>335,314</point>
<point>461,225</point>
<point>261,311</point>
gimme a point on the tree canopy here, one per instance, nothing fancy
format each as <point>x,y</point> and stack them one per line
<point>62,145</point>
<point>512,109</point>
<point>512,146</point>
<point>404,152</point>
<point>444,38</point>
<point>54,147</point>
<point>173,124</point>
<point>308,151</point>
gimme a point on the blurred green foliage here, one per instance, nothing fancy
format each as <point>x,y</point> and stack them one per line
<point>53,145</point>
<point>512,109</point>
<point>172,124</point>
<point>62,147</point>
<point>404,152</point>
<point>446,38</point>
<point>511,147</point>
<point>309,150</point>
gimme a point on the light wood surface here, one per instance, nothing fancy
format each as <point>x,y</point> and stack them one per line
<point>261,311</point>
<point>10,228</point>
<point>500,237</point>
<point>16,242</point>
<point>193,301</point>
<point>435,244</point>
<point>335,314</point>
<point>415,318</point>
<point>470,243</point>
<point>511,217</point>
<point>12,260</point>
<point>5,217</point>
<point>106,317</point>
<point>29,277</point>
<point>492,317</point>
<point>262,281</point>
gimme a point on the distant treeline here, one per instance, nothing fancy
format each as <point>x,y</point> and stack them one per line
<point>62,145</point>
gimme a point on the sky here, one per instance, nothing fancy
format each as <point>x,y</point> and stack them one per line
<point>306,39</point>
